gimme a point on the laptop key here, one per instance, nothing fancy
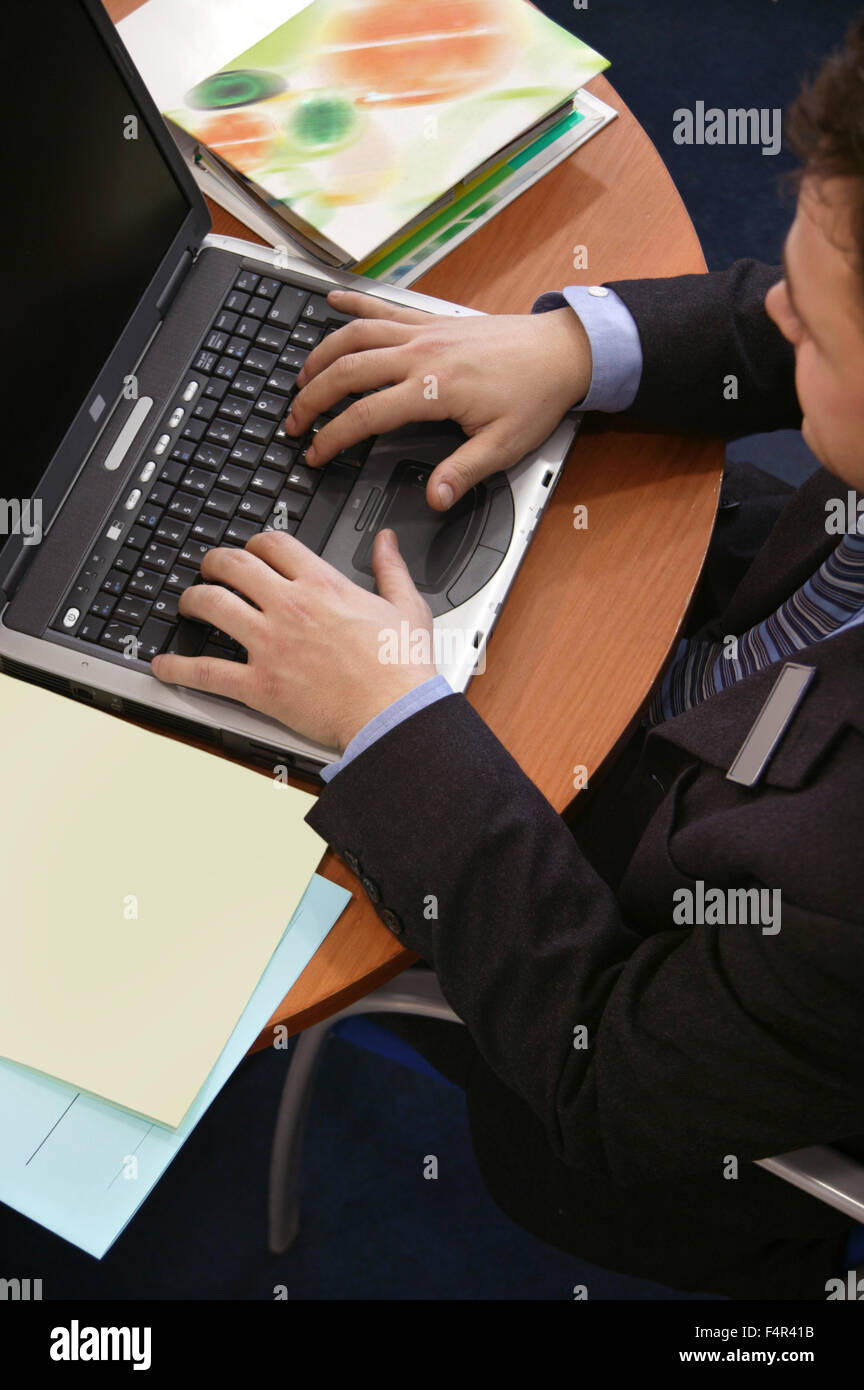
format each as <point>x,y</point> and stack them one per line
<point>246,280</point>
<point>293,358</point>
<point>117,637</point>
<point>171,531</point>
<point>336,483</point>
<point>91,629</point>
<point>257,360</point>
<point>126,559</point>
<point>291,506</point>
<point>258,429</point>
<point>146,583</point>
<point>103,607</point>
<point>279,457</point>
<point>152,638</point>
<point>165,606</point>
<point>193,552</point>
<point>115,582</point>
<point>240,531</point>
<point>287,306</point>
<point>269,336</point>
<point>235,408</point>
<point>266,482</point>
<point>188,637</point>
<point>305,336</point>
<point>274,407</point>
<point>198,480</point>
<point>210,455</point>
<point>221,504</point>
<point>247,384</point>
<point>179,579</point>
<point>223,432</point>
<point>254,509</point>
<point>303,479</point>
<point>138,537</point>
<point>171,473</point>
<point>280,380</point>
<point>132,610</point>
<point>233,478</point>
<point>159,557</point>
<point>209,528</point>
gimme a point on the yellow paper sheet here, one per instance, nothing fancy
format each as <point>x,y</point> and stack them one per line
<point>144,886</point>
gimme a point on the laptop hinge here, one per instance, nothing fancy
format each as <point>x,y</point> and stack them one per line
<point>181,270</point>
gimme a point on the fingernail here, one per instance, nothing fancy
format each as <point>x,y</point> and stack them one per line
<point>445,494</point>
<point>335,294</point>
<point>290,423</point>
<point>301,377</point>
<point>310,454</point>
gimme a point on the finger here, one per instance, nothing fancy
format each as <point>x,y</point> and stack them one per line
<point>391,572</point>
<point>349,376</point>
<point>371,307</point>
<point>485,453</point>
<point>229,678</point>
<point>385,410</point>
<point>288,556</point>
<point>240,570</point>
<point>213,604</point>
<point>360,336</point>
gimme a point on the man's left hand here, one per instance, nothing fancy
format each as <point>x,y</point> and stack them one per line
<point>313,638</point>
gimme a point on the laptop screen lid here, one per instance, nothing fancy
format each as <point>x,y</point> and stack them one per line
<point>100,230</point>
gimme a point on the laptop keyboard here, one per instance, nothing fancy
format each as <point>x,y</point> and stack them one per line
<point>217,470</point>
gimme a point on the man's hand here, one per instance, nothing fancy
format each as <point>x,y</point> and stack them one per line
<point>313,639</point>
<point>506,379</point>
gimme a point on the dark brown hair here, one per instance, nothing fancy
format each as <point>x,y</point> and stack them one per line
<point>825,125</point>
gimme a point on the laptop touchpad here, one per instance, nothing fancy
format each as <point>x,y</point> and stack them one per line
<point>435,545</point>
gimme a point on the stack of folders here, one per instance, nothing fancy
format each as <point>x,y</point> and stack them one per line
<point>158,904</point>
<point>366,134</point>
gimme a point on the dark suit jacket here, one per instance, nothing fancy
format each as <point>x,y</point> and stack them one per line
<point>703,1041</point>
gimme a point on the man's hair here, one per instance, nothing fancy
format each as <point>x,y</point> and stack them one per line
<point>825,125</point>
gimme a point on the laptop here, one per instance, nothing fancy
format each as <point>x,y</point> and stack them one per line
<point>151,365</point>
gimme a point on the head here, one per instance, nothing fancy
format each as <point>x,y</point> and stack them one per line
<point>819,303</point>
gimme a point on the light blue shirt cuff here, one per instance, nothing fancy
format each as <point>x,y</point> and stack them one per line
<point>615,347</point>
<point>422,695</point>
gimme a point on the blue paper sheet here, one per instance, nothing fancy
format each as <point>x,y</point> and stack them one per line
<point>81,1166</point>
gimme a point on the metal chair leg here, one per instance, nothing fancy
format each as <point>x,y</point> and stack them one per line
<point>418,994</point>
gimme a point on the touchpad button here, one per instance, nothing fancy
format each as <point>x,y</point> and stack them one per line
<point>434,545</point>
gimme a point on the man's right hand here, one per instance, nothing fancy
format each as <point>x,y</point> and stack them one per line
<point>507,380</point>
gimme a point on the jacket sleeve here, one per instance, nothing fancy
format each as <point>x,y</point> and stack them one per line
<point>713,361</point>
<point>701,1042</point>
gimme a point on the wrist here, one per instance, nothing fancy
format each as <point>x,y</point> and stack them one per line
<point>364,710</point>
<point>573,357</point>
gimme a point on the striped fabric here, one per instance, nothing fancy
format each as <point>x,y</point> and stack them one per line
<point>827,601</point>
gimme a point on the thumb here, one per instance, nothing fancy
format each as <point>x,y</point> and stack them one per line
<point>478,458</point>
<point>391,572</point>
